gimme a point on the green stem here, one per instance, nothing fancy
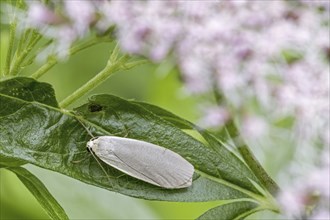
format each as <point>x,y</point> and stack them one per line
<point>252,161</point>
<point>246,153</point>
<point>132,64</point>
<point>111,68</point>
<point>53,61</point>
<point>271,188</point>
<point>12,35</point>
<point>257,169</point>
<point>24,42</point>
<point>22,56</point>
<point>24,37</point>
<point>44,68</point>
<point>33,57</point>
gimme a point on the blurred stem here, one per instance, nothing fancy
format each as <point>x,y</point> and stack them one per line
<point>113,66</point>
<point>252,161</point>
<point>53,61</point>
<point>44,68</point>
<point>258,170</point>
<point>12,35</point>
<point>27,35</point>
<point>17,63</point>
<point>132,64</point>
<point>33,57</point>
<point>245,151</point>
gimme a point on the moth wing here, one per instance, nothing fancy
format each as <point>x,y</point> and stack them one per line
<point>147,162</point>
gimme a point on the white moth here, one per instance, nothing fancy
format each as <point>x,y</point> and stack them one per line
<point>145,161</point>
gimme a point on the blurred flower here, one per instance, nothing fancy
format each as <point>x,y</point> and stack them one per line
<point>269,58</point>
<point>310,189</point>
<point>293,202</point>
<point>81,13</point>
<point>63,22</point>
<point>321,215</point>
<point>143,27</point>
<point>274,55</point>
<point>39,15</point>
<point>214,116</point>
<point>254,127</point>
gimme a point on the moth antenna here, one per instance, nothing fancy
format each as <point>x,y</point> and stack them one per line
<point>88,131</point>
<point>95,158</point>
<point>105,172</point>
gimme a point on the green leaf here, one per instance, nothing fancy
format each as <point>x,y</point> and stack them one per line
<point>24,89</point>
<point>106,115</point>
<point>40,192</point>
<point>27,89</point>
<point>292,56</point>
<point>35,130</point>
<point>10,162</point>
<point>167,116</point>
<point>232,211</point>
<point>230,167</point>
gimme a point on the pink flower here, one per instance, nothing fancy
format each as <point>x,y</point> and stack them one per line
<point>293,202</point>
<point>39,15</point>
<point>254,127</point>
<point>321,215</point>
<point>81,13</point>
<point>310,189</point>
<point>213,117</point>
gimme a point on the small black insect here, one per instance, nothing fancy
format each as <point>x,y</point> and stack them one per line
<point>95,107</point>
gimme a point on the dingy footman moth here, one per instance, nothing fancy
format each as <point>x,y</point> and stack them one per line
<point>145,161</point>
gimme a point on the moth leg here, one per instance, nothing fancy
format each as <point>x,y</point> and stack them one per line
<point>79,161</point>
<point>111,179</point>
<point>120,175</point>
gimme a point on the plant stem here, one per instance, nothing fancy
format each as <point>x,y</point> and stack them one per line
<point>42,70</point>
<point>252,161</point>
<point>53,61</point>
<point>22,56</point>
<point>24,37</point>
<point>111,68</point>
<point>246,153</point>
<point>258,170</point>
<point>12,35</point>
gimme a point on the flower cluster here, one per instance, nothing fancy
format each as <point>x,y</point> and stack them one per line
<point>275,54</point>
<point>63,27</point>
<point>309,190</point>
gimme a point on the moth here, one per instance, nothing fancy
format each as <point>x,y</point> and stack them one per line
<point>143,160</point>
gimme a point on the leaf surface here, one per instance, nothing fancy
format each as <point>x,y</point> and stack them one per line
<point>36,131</point>
<point>230,167</point>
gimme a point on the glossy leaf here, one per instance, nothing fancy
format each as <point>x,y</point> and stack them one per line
<point>230,167</point>
<point>35,130</point>
<point>167,116</point>
<point>10,162</point>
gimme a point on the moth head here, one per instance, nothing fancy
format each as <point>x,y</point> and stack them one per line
<point>92,144</point>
